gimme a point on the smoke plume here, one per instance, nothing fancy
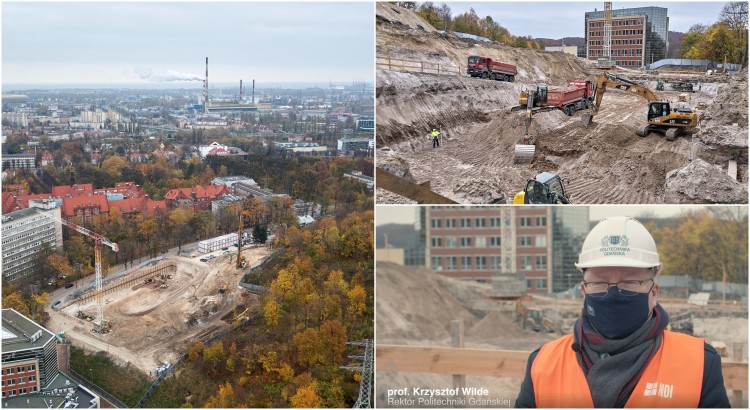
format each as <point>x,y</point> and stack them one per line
<point>166,76</point>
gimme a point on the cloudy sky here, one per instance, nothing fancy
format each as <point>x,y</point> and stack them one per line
<point>565,19</point>
<point>146,42</point>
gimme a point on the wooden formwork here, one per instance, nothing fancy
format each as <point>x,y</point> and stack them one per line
<point>162,268</point>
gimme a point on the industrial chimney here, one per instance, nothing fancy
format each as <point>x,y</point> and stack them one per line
<point>205,90</point>
<point>253,91</point>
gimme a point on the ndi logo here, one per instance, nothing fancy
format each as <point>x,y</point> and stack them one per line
<point>613,245</point>
<point>659,389</point>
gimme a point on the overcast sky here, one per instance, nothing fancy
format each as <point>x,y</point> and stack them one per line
<point>566,19</point>
<point>139,42</point>
<point>407,214</point>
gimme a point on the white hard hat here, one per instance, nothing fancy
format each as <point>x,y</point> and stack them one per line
<point>619,241</point>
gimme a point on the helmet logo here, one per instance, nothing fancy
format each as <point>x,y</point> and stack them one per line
<point>614,245</point>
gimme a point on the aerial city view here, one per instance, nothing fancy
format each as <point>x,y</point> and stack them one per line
<point>187,205</point>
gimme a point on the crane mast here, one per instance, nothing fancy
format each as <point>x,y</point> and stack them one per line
<point>99,240</point>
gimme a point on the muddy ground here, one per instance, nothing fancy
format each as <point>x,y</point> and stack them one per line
<point>602,164</point>
<point>416,305</point>
<point>152,324</point>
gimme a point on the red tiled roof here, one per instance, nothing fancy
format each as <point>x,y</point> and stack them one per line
<point>62,191</point>
<point>210,191</point>
<point>93,201</point>
<point>9,203</point>
<point>128,205</point>
<point>156,207</point>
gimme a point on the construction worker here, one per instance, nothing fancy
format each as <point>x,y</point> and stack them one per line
<point>435,138</point>
<point>620,353</point>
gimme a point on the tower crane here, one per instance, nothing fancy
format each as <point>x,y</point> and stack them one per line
<point>99,240</point>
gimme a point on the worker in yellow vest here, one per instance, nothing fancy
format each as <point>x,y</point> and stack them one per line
<point>435,138</point>
<point>620,353</point>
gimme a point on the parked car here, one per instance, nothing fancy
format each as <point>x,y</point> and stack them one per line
<point>69,285</point>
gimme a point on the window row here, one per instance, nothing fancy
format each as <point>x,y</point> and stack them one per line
<point>484,241</point>
<point>483,263</point>
<point>19,369</point>
<point>540,221</point>
<point>21,391</point>
<point>20,380</point>
<point>617,23</point>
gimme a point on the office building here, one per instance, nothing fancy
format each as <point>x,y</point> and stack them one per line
<point>24,234</point>
<point>639,35</point>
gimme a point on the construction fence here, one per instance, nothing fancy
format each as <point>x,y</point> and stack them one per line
<point>427,67</point>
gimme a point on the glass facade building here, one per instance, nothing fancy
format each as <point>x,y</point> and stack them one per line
<point>570,225</point>
<point>655,39</point>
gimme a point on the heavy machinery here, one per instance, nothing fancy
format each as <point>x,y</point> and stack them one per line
<point>102,326</point>
<point>661,117</point>
<point>575,96</point>
<point>682,86</point>
<point>544,188</point>
<point>534,319</point>
<point>660,85</point>
<point>485,67</point>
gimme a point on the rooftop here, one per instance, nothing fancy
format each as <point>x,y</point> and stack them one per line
<point>21,333</point>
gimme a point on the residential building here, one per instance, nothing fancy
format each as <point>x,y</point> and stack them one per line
<point>24,233</point>
<point>31,374</point>
<point>24,161</point>
<point>234,179</point>
<point>198,197</point>
<point>639,35</point>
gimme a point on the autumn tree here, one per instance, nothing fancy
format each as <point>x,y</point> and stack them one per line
<point>224,399</point>
<point>306,398</point>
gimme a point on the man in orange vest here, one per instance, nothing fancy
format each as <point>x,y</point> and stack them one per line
<point>620,353</point>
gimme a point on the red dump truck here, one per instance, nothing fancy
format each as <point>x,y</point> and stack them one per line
<point>571,98</point>
<point>485,67</point>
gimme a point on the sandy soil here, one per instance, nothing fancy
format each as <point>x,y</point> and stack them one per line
<point>152,324</point>
<point>604,163</point>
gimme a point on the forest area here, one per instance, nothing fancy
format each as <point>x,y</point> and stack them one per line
<point>320,296</point>
<point>705,244</point>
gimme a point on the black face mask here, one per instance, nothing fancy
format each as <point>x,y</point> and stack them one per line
<point>615,316</point>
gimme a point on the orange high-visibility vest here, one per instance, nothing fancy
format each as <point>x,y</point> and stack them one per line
<point>673,377</point>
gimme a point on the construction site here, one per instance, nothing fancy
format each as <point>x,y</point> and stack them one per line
<point>156,309</point>
<point>491,143</point>
<point>436,332</point>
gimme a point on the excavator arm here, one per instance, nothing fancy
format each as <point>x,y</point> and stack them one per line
<point>621,84</point>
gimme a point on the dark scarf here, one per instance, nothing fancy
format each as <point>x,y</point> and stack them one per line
<point>613,367</point>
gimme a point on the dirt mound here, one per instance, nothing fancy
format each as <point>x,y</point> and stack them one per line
<point>687,185</point>
<point>414,305</point>
<point>495,325</point>
<point>403,34</point>
<point>602,164</point>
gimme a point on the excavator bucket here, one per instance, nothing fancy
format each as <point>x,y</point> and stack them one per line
<point>524,154</point>
<point>586,119</point>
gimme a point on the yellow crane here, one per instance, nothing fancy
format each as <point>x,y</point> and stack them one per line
<point>99,240</point>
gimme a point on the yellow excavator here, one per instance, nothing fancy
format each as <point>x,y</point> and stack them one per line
<point>662,118</point>
<point>544,188</point>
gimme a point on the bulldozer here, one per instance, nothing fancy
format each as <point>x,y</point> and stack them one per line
<point>661,117</point>
<point>545,188</point>
<point>535,320</point>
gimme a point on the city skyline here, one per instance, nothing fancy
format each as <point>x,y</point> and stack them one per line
<point>556,20</point>
<point>152,44</point>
